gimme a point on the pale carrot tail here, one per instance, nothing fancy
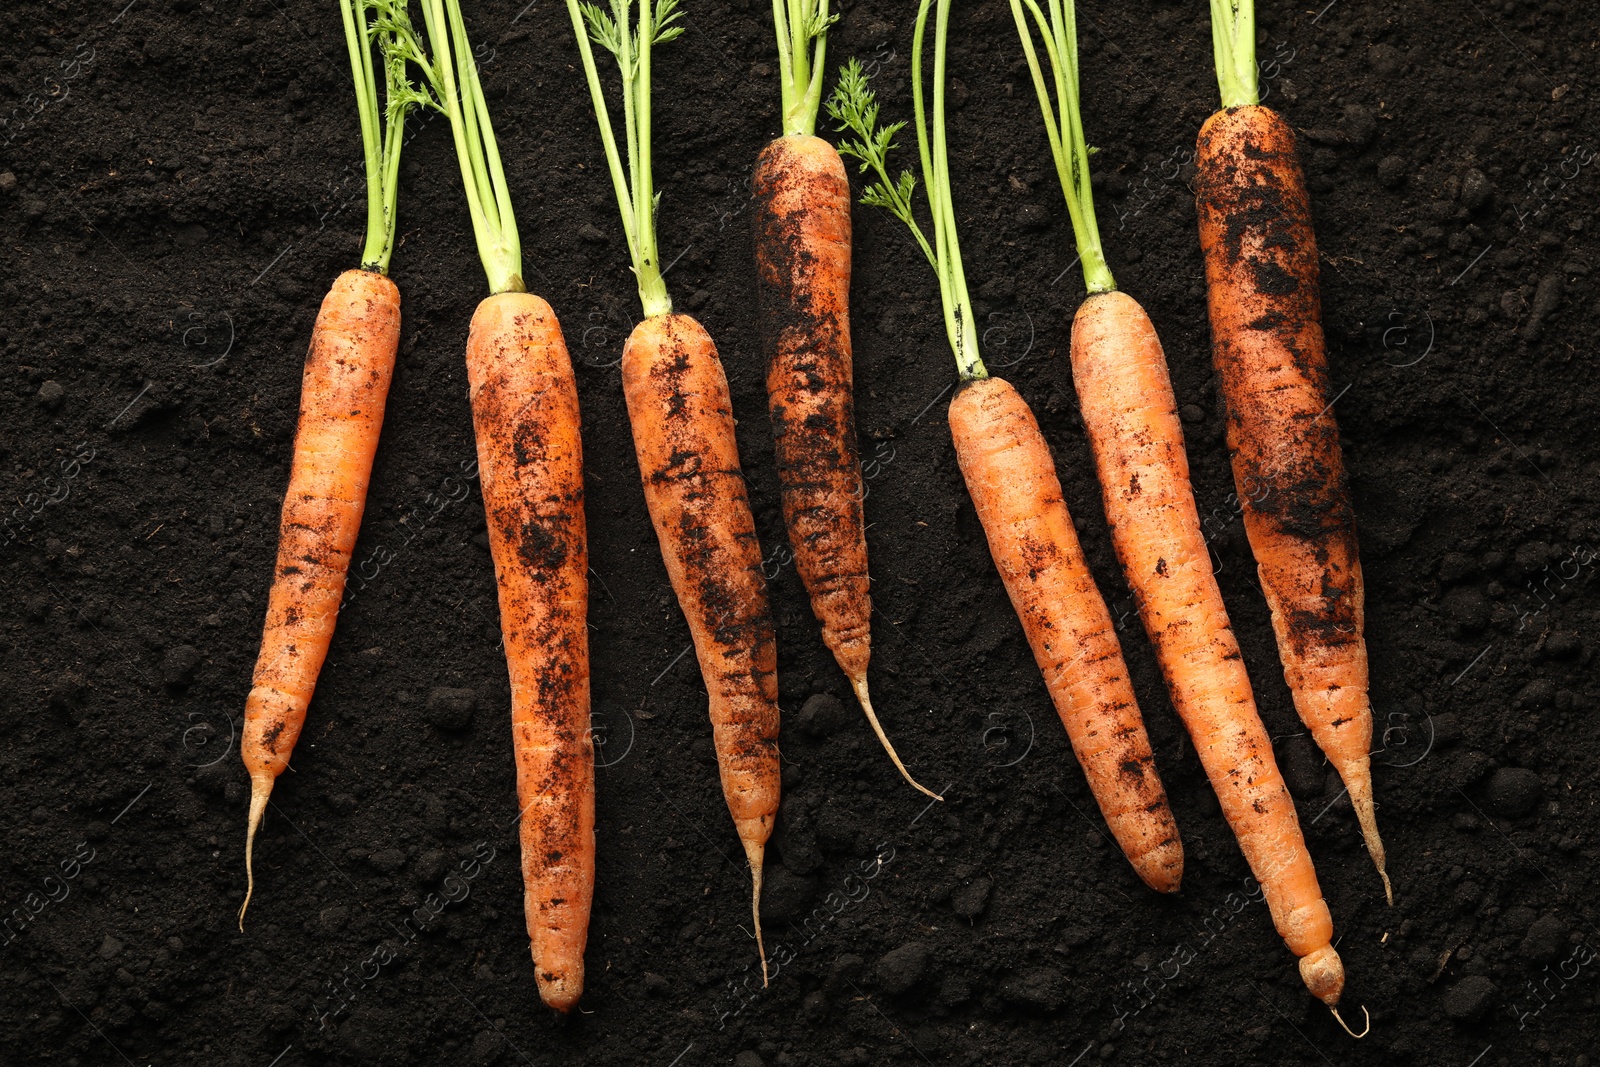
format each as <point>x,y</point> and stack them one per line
<point>860,686</point>
<point>260,791</point>
<point>756,853</point>
<point>1360,786</point>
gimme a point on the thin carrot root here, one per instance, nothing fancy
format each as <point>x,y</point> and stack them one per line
<point>260,791</point>
<point>860,686</point>
<point>1366,815</point>
<point>756,854</point>
<point>1365,1030</point>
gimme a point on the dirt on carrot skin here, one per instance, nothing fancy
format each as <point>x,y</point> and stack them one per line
<point>180,194</point>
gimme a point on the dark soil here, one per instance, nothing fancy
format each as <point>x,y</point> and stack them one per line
<point>180,182</point>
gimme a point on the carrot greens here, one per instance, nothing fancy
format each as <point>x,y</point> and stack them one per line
<point>382,131</point>
<point>802,45</point>
<point>1233,39</point>
<point>454,75</point>
<point>1063,121</point>
<point>636,196</point>
<point>854,107</point>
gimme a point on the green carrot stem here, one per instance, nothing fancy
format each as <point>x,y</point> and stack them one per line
<point>494,226</point>
<point>1233,40</point>
<point>1063,120</point>
<point>802,28</point>
<point>382,132</point>
<point>633,184</point>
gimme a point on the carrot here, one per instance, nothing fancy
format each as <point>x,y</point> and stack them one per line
<point>1012,479</point>
<point>1016,493</point>
<point>530,464</point>
<point>802,244</point>
<point>1131,417</point>
<point>682,420</point>
<point>1267,345</point>
<point>343,390</point>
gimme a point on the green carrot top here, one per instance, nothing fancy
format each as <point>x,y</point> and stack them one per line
<point>1233,39</point>
<point>1063,120</point>
<point>454,77</point>
<point>854,107</point>
<point>382,132</point>
<point>636,196</point>
<point>802,27</point>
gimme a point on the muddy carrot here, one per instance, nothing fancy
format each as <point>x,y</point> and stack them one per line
<point>682,420</point>
<point>342,394</point>
<point>1131,417</point>
<point>1267,345</point>
<point>1016,493</point>
<point>530,464</point>
<point>802,245</point>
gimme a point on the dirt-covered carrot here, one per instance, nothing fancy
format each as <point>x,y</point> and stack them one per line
<point>1131,416</point>
<point>1017,495</point>
<point>1267,344</point>
<point>682,420</point>
<point>342,395</point>
<point>530,467</point>
<point>802,244</point>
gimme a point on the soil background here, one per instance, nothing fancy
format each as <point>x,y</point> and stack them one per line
<point>180,182</point>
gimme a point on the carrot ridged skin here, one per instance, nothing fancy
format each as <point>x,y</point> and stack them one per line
<point>1131,417</point>
<point>530,468</point>
<point>682,419</point>
<point>343,391</point>
<point>1014,488</point>
<point>1268,348</point>
<point>802,242</point>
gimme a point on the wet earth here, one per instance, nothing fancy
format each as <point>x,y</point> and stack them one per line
<point>180,181</point>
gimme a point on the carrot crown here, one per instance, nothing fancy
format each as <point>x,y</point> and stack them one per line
<point>855,108</point>
<point>1233,39</point>
<point>802,27</point>
<point>636,195</point>
<point>382,132</point>
<point>1063,121</point>
<point>454,76</point>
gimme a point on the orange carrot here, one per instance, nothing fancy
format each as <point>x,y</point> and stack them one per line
<point>802,223</point>
<point>530,465</point>
<point>1012,480</point>
<point>343,390</point>
<point>1267,345</point>
<point>1131,417</point>
<point>802,245</point>
<point>682,421</point>
<point>342,395</point>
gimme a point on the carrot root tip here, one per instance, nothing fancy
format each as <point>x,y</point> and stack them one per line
<point>755,912</point>
<point>1367,816</point>
<point>260,790</point>
<point>1365,1029</point>
<point>860,686</point>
